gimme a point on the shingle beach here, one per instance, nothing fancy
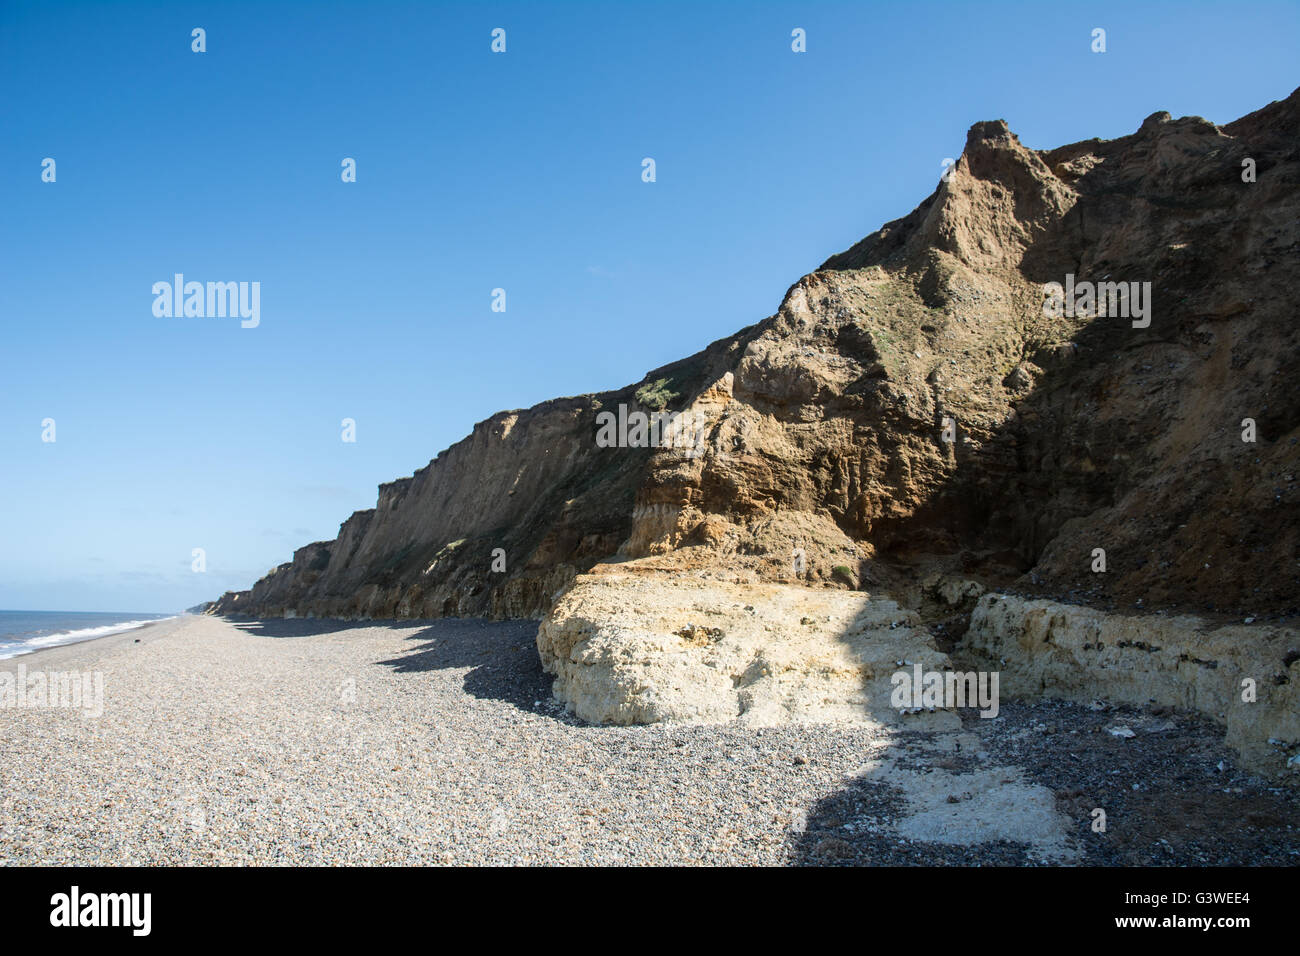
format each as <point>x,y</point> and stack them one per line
<point>317,742</point>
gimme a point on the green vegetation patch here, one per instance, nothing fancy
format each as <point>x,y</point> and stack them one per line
<point>657,394</point>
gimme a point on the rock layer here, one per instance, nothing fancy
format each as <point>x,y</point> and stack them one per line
<point>1237,675</point>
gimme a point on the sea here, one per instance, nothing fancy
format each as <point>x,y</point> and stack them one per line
<point>22,632</point>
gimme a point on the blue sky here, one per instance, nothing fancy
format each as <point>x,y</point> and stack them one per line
<point>475,171</point>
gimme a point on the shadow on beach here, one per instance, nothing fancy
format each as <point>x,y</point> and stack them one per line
<point>501,655</point>
<point>307,626</point>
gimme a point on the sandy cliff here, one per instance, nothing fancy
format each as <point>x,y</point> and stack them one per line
<point>912,414</point>
<point>826,419</point>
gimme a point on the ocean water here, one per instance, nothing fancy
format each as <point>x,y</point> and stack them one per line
<point>22,632</point>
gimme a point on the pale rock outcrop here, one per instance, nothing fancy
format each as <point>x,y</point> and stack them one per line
<point>1045,649</point>
<point>630,648</point>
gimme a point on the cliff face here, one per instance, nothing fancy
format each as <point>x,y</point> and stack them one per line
<point>911,408</point>
<point>493,526</point>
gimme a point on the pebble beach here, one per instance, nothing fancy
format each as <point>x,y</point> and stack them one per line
<point>309,742</point>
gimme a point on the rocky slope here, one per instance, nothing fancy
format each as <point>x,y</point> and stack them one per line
<point>825,422</point>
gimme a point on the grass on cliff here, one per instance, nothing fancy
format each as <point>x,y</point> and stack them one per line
<point>675,381</point>
<point>657,394</point>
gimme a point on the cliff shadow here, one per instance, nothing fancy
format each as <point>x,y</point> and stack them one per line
<point>302,626</point>
<point>501,656</point>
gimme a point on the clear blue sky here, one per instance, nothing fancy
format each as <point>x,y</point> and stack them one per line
<point>475,171</point>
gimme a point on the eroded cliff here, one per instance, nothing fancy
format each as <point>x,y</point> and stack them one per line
<point>911,407</point>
